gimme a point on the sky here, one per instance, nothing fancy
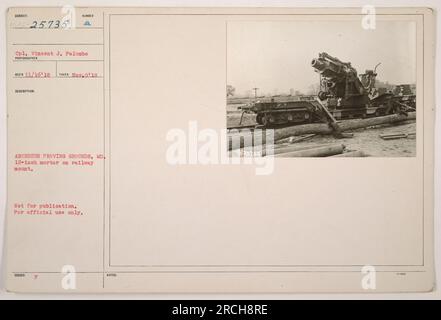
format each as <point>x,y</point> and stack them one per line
<point>275,56</point>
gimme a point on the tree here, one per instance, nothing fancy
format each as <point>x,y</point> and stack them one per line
<point>230,90</point>
<point>313,89</point>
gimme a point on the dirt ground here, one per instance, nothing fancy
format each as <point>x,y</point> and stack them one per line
<point>367,139</point>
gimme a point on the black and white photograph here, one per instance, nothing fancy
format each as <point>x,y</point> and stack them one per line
<point>323,88</point>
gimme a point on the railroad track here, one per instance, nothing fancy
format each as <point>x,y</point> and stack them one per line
<point>258,126</point>
<point>241,128</point>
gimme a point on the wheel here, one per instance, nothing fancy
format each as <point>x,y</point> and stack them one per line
<point>268,120</point>
<point>322,95</point>
<point>259,119</point>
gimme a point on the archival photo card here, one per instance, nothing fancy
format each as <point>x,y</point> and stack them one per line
<point>181,150</point>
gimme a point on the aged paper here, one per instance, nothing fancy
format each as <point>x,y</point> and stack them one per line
<point>220,150</point>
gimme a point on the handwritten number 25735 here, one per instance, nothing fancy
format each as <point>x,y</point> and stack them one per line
<point>49,24</point>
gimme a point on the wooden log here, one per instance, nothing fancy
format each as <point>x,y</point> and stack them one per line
<point>314,152</point>
<point>249,139</point>
<point>351,154</point>
<point>396,135</point>
<point>346,135</point>
<point>323,128</point>
<point>393,136</point>
<point>296,148</point>
<point>249,151</point>
<point>294,139</point>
